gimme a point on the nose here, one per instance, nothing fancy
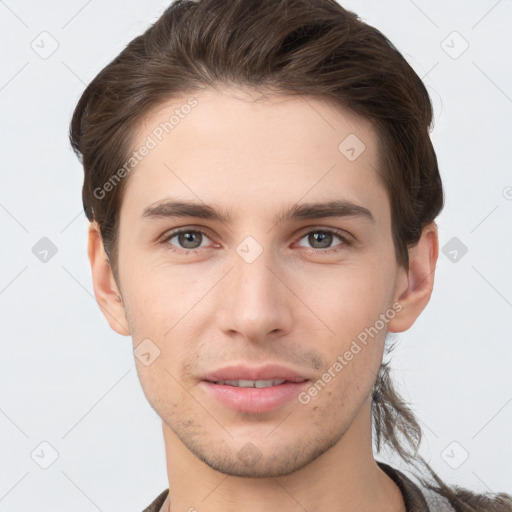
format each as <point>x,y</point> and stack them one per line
<point>254,300</point>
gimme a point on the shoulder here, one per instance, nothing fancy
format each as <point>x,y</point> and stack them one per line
<point>439,497</point>
<point>471,501</point>
<point>416,497</point>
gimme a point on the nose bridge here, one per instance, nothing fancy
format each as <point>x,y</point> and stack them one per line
<point>254,302</point>
<point>254,278</point>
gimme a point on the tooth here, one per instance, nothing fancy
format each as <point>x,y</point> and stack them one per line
<point>251,383</point>
<point>237,383</point>
<point>246,383</point>
<point>230,382</point>
<point>264,383</point>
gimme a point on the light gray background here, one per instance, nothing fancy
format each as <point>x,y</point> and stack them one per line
<point>69,381</point>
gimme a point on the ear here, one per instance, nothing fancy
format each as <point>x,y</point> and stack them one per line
<point>415,285</point>
<point>106,291</point>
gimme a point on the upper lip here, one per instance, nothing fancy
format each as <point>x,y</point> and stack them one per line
<point>244,372</point>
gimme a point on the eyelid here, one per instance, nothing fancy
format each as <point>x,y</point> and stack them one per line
<point>344,235</point>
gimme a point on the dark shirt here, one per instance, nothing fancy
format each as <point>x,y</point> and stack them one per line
<point>415,500</point>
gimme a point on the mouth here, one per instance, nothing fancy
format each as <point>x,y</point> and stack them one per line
<point>254,390</point>
<point>260,384</point>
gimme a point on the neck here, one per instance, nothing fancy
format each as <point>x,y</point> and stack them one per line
<point>344,478</point>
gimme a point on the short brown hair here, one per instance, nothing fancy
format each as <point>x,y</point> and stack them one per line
<point>286,46</point>
<point>296,47</point>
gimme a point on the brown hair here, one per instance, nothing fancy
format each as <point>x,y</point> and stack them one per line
<point>286,46</point>
<point>297,47</point>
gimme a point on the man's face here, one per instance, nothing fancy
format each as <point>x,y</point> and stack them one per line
<point>252,291</point>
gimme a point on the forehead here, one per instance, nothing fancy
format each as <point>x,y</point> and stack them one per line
<point>245,150</point>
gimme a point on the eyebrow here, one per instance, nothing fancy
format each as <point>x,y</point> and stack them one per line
<point>336,208</point>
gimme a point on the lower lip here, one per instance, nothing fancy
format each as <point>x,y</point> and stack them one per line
<point>255,400</point>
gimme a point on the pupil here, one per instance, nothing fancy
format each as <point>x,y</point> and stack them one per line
<point>186,240</point>
<point>322,237</point>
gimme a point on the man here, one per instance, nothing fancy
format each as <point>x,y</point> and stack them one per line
<point>262,191</point>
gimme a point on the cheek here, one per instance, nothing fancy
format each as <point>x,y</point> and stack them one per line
<point>163,306</point>
<point>158,297</point>
<point>355,305</point>
<point>349,300</point>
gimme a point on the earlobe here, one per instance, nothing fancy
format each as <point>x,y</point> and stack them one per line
<point>415,293</point>
<point>106,291</point>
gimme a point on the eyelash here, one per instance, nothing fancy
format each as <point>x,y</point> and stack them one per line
<point>187,252</point>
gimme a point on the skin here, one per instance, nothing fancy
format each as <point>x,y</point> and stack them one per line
<point>294,305</point>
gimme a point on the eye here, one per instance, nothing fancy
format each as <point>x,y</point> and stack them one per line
<point>323,239</point>
<point>187,239</point>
